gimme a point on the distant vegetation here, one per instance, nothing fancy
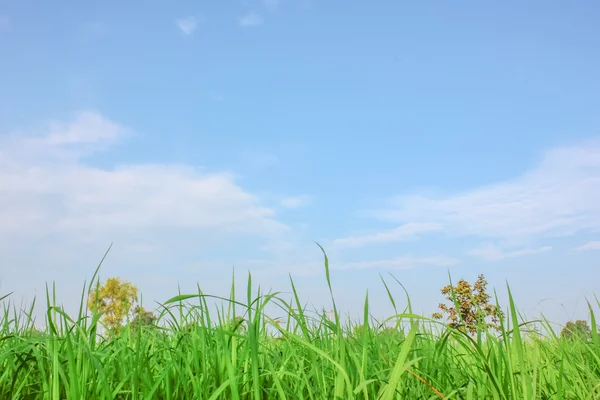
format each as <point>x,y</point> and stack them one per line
<point>115,349</point>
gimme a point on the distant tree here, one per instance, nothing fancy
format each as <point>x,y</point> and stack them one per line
<point>473,305</point>
<point>143,318</point>
<point>35,332</point>
<point>115,299</point>
<point>576,330</point>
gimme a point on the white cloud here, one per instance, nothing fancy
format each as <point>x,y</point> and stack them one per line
<point>400,263</point>
<point>559,197</point>
<point>590,246</point>
<point>251,19</point>
<point>490,252</point>
<point>48,188</point>
<point>187,25</point>
<point>403,232</point>
<point>88,127</point>
<point>87,134</point>
<point>296,201</point>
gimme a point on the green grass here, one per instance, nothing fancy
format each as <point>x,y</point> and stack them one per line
<point>197,353</point>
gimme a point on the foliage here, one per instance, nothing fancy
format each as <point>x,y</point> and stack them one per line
<point>143,318</point>
<point>576,330</point>
<point>313,358</point>
<point>473,306</point>
<point>115,299</point>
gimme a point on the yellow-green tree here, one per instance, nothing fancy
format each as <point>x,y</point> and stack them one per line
<point>473,306</point>
<point>115,299</point>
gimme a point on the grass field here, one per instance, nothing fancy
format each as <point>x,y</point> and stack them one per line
<point>197,353</point>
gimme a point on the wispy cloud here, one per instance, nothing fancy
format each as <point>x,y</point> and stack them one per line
<point>296,201</point>
<point>590,246</point>
<point>48,187</point>
<point>87,128</point>
<point>490,252</point>
<point>403,232</point>
<point>250,20</point>
<point>559,197</point>
<point>400,263</point>
<point>187,25</point>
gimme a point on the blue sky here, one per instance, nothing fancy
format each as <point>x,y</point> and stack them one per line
<point>408,137</point>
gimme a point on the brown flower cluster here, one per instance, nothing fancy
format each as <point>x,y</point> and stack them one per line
<point>473,305</point>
